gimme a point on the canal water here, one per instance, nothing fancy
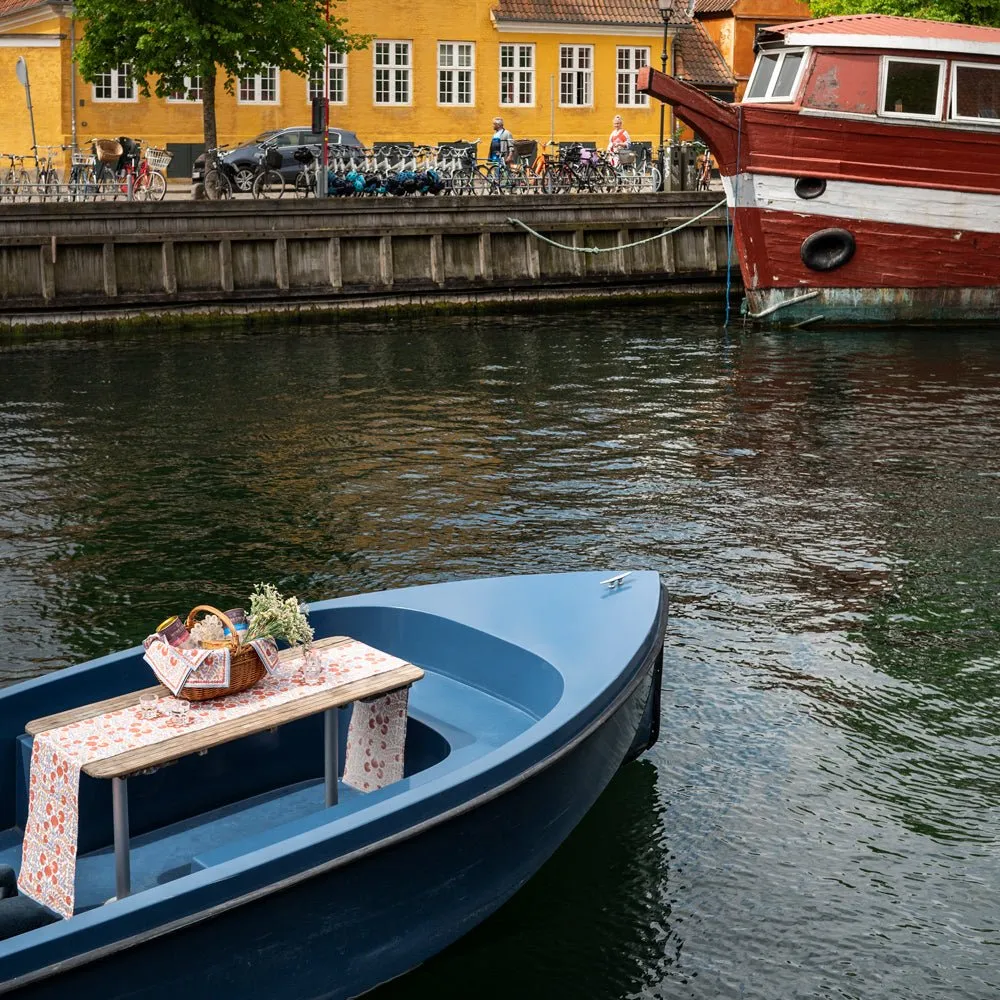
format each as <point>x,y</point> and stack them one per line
<point>820,816</point>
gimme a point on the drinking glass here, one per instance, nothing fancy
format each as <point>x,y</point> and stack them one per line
<point>179,711</point>
<point>312,666</point>
<point>149,705</point>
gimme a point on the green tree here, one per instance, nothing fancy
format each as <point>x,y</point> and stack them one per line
<point>167,40</point>
<point>965,11</point>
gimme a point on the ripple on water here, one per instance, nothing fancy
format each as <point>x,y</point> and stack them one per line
<point>819,817</point>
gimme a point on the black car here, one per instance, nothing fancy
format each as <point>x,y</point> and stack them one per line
<point>286,141</point>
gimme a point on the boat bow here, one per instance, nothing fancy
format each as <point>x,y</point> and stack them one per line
<point>718,122</point>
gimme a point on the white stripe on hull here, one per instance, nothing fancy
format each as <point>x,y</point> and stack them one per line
<point>894,204</point>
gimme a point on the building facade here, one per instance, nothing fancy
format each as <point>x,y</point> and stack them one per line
<point>733,26</point>
<point>556,70</point>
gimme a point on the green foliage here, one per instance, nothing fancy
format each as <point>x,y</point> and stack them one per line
<point>966,11</point>
<point>169,39</point>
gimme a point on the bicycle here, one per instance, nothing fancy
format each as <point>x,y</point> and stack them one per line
<point>46,180</point>
<point>306,178</point>
<point>218,175</point>
<point>703,173</point>
<point>16,180</point>
<point>267,179</point>
<point>157,160</point>
<point>82,177</point>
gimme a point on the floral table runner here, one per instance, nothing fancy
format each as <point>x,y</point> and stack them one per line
<point>374,756</point>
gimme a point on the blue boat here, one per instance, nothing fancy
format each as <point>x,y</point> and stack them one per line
<point>537,689</point>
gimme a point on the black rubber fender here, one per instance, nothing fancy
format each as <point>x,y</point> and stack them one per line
<point>810,187</point>
<point>827,249</point>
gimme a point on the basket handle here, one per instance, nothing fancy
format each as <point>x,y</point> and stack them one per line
<point>234,642</point>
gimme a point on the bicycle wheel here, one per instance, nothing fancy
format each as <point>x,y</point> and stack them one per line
<point>514,182</point>
<point>217,186</point>
<point>482,181</point>
<point>304,184</point>
<point>25,185</point>
<point>269,184</point>
<point>157,189</point>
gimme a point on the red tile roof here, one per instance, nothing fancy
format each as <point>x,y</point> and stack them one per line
<point>697,59</point>
<point>635,12</point>
<point>16,6</point>
<point>891,26</point>
<point>714,6</point>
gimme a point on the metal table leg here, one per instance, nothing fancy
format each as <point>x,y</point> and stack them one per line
<point>119,810</point>
<point>331,753</point>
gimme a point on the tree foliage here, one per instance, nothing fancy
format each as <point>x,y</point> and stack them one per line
<point>165,40</point>
<point>966,11</point>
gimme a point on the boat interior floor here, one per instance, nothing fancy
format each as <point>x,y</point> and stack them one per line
<point>450,724</point>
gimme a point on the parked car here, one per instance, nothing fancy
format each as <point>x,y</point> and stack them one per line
<point>286,141</point>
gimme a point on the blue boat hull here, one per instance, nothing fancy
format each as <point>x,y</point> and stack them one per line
<point>373,917</point>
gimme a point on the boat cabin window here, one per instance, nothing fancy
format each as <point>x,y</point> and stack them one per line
<point>912,88</point>
<point>975,92</point>
<point>776,75</point>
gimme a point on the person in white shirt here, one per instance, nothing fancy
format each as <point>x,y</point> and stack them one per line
<point>619,139</point>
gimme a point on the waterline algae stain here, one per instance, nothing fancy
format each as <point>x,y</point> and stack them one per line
<point>819,818</point>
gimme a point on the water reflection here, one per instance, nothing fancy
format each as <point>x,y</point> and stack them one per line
<point>823,507</point>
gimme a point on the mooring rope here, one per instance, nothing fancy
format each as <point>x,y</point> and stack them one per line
<point>624,246</point>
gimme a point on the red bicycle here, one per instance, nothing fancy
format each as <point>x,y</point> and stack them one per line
<point>141,175</point>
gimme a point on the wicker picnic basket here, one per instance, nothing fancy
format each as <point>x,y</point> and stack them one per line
<point>108,150</point>
<point>245,666</point>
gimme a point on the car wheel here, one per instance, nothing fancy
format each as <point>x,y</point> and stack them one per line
<point>243,177</point>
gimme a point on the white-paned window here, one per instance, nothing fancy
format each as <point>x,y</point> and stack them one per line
<point>261,88</point>
<point>776,75</point>
<point>911,88</point>
<point>456,72</point>
<point>338,80</point>
<point>393,66</point>
<point>631,59</point>
<point>576,75</point>
<point>116,85</point>
<point>517,74</point>
<point>975,92</point>
<point>191,91</point>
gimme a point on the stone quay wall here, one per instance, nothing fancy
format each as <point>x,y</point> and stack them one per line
<point>58,261</point>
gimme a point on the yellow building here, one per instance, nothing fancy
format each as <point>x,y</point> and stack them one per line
<point>554,69</point>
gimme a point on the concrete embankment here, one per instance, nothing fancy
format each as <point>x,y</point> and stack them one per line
<point>100,263</point>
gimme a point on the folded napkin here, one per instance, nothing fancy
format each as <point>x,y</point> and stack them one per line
<point>199,668</point>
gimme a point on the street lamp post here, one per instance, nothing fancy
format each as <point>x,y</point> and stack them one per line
<point>666,9</point>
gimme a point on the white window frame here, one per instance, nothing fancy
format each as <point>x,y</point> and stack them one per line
<point>393,68</point>
<point>575,71</point>
<point>257,79</point>
<point>953,109</point>
<point>314,82</point>
<point>883,81</point>
<point>518,74</point>
<point>629,74</point>
<point>188,87</point>
<point>115,75</point>
<point>769,97</point>
<point>454,69</point>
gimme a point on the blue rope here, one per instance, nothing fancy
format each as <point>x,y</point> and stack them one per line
<point>731,214</point>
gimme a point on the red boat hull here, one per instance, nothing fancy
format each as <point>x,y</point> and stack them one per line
<point>918,205</point>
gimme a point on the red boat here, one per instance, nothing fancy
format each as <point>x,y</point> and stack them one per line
<point>862,169</point>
